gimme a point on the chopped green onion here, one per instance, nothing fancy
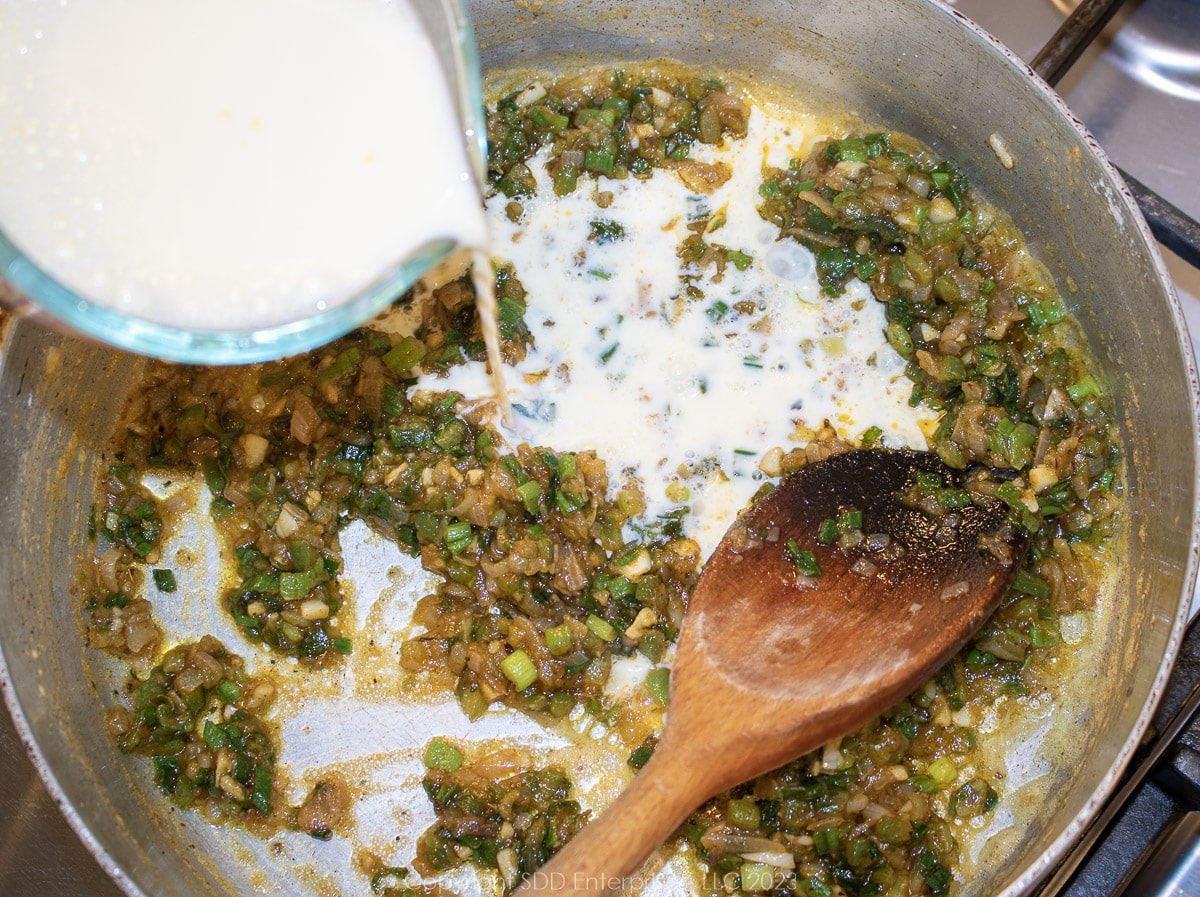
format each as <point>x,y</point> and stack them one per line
<point>1011,496</point>
<point>569,503</point>
<point>566,179</point>
<point>530,493</point>
<point>770,190</point>
<point>220,508</point>
<point>825,840</point>
<point>215,736</point>
<point>313,642</point>
<point>813,887</point>
<point>411,434</point>
<point>652,645</point>
<point>518,182</point>
<point>559,639</point>
<point>943,771</point>
<point>805,560</point>
<point>519,670</point>
<point>871,437</point>
<point>1085,388</point>
<point>346,361</point>
<point>899,339</point>
<point>739,260</point>
<point>607,117</point>
<point>756,877</point>
<point>946,368</point>
<point>990,366</point>
<point>923,783</point>
<point>1043,636</point>
<point>641,756</point>
<point>458,536</point>
<point>827,532</point>
<point>389,879</point>
<point>261,798</point>
<point>601,628</point>
<point>848,520</point>
<point>865,268</point>
<point>1031,584</point>
<point>302,555</point>
<point>229,691</point>
<point>606,231</point>
<point>451,434</point>
<point>294,585</point>
<point>744,813</point>
<point>567,466</point>
<point>167,773</point>
<point>548,118</point>
<point>717,310</point>
<point>892,830</point>
<point>620,587</point>
<point>658,683</point>
<point>852,149</point>
<point>1014,442</point>
<point>443,755</point>
<point>214,476</point>
<point>599,161</point>
<point>164,581</point>
<point>953,499</point>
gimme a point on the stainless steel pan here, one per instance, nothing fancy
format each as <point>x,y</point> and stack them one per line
<point>907,64</point>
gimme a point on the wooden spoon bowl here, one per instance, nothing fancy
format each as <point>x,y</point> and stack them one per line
<point>773,662</point>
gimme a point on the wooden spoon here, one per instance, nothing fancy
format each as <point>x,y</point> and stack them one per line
<point>772,663</point>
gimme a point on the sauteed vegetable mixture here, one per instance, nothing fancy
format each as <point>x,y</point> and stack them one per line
<point>549,571</point>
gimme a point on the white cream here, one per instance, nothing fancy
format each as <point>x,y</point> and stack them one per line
<point>230,164</point>
<point>688,405</point>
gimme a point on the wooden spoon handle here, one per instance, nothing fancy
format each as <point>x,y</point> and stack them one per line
<point>609,850</point>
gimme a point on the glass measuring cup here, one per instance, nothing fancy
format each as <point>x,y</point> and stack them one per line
<point>30,289</point>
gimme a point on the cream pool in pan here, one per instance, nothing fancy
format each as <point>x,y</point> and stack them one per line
<point>690,395</point>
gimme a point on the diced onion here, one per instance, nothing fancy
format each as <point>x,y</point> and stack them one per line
<point>878,541</point>
<point>291,518</point>
<point>864,568</point>
<point>780,859</point>
<point>530,95</point>
<point>641,564</point>
<point>506,862</point>
<point>832,758</point>
<point>955,590</point>
<point>726,839</point>
<point>1000,148</point>
<point>254,449</point>
<point>314,609</point>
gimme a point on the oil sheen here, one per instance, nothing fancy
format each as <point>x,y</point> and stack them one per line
<point>226,165</point>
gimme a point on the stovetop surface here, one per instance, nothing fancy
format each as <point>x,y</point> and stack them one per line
<point>1137,88</point>
<point>1138,91</point>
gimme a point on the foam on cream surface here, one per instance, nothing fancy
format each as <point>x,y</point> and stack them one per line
<point>685,394</point>
<point>232,164</point>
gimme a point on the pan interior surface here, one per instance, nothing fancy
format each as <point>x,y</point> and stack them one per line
<point>911,66</point>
